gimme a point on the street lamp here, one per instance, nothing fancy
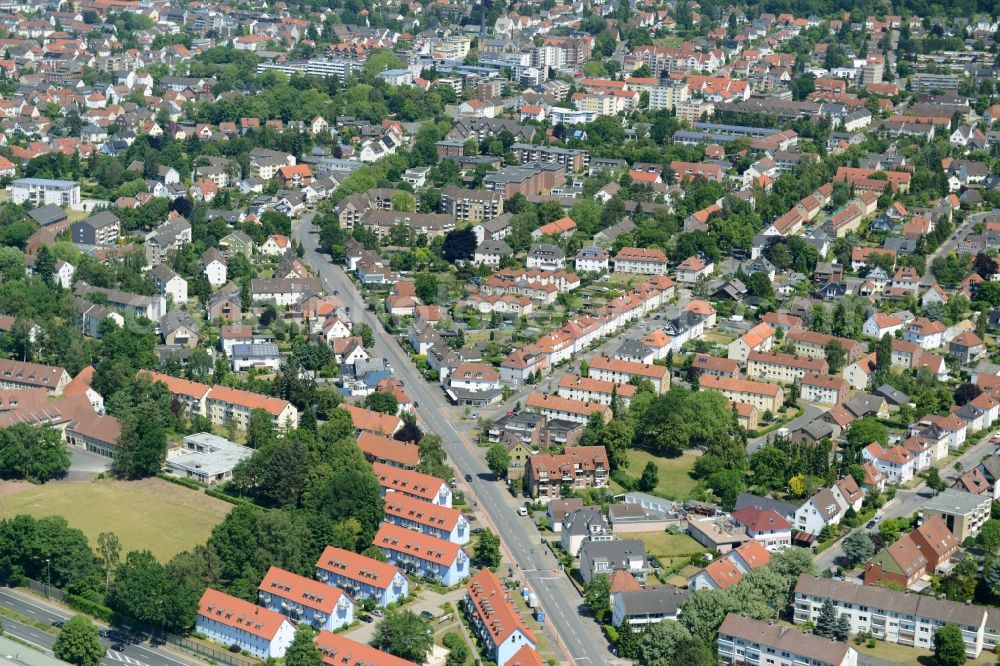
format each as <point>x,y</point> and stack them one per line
<point>48,574</point>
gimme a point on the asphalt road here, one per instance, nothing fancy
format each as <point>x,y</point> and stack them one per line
<point>577,637</point>
<point>133,654</point>
<point>951,243</point>
<point>907,502</point>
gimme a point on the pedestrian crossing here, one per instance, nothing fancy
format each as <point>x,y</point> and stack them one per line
<point>114,655</point>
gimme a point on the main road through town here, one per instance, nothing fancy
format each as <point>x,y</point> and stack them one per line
<point>579,638</point>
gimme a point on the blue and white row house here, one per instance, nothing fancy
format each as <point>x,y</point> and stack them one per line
<point>303,599</point>
<point>362,577</point>
<point>422,555</point>
<point>230,621</point>
<point>438,521</point>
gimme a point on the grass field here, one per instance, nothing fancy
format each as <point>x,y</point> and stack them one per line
<point>151,514</point>
<point>664,544</point>
<point>674,480</point>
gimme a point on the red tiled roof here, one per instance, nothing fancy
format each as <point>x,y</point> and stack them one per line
<point>239,614</point>
<point>357,567</point>
<point>299,589</point>
<point>421,546</point>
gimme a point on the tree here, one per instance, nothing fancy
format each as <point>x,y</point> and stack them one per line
<point>498,460</point>
<point>427,288</point>
<point>835,356</point>
<point>79,643</point>
<point>404,634</point>
<point>989,537</point>
<point>45,264</point>
<point>459,245</point>
<point>826,623</point>
<point>458,650</point>
<point>109,551</point>
<point>487,550</point>
<point>364,331</point>
<point>949,646</point>
<point>260,429</point>
<point>597,595</point>
<point>303,651</point>
<point>142,445</point>
<point>842,631</point>
<point>382,402</point>
<point>33,453</point>
<point>145,591</point>
<point>883,360</point>
<point>858,547</point>
<point>934,480</point>
<point>650,477</point>
<point>628,641</point>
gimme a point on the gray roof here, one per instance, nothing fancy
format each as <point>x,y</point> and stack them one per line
<point>785,640</point>
<point>174,319</point>
<point>948,612</point>
<point>826,503</point>
<point>892,394</point>
<point>489,246</point>
<point>956,502</point>
<point>208,454</point>
<point>583,519</point>
<point>744,500</point>
<point>100,220</point>
<point>256,350</point>
<point>631,348</point>
<point>616,552</point>
<point>47,214</point>
<point>661,600</point>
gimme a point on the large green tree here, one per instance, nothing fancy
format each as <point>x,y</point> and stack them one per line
<point>144,591</point>
<point>949,646</point>
<point>32,453</point>
<point>303,651</point>
<point>404,634</point>
<point>79,643</point>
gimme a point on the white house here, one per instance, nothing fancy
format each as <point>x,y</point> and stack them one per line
<point>817,512</point>
<point>494,619</point>
<point>306,600</point>
<point>214,267</point>
<point>896,463</point>
<point>170,284</point>
<point>275,245</point>
<point>880,324</point>
<point>362,577</point>
<point>230,621</point>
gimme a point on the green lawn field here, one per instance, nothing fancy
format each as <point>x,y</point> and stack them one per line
<point>152,514</point>
<point>674,480</point>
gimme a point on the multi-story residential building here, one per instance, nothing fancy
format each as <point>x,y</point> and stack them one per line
<point>755,643</point>
<point>423,555</point>
<point>225,405</point>
<point>894,617</point>
<point>283,291</point>
<point>494,619</point>
<point>170,284</point>
<point>813,345</point>
<point>578,467</point>
<point>101,229</point>
<point>763,396</point>
<point>588,389</point>
<point>824,389</point>
<point>471,205</point>
<point>339,650</point>
<point>366,420</point>
<point>607,557</point>
<point>557,407</point>
<point>963,513</point>
<point>621,372</point>
<point>818,511</point>
<point>214,267</point>
<point>760,338</point>
<point>362,577</point>
<point>570,159</point>
<point>421,516</point>
<point>667,97</point>
<point>302,599</point>
<point>591,259</point>
<point>414,484</point>
<point>21,375</point>
<point>388,451</point>
<point>545,257</point>
<point>782,368</point>
<point>729,569</point>
<point>641,261</point>
<point>231,621</point>
<point>170,235</point>
<point>44,191</point>
<point>704,364</point>
<point>150,307</point>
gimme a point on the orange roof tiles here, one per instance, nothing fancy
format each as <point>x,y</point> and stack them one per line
<point>380,447</point>
<point>306,591</point>
<point>239,614</point>
<point>422,512</point>
<point>353,566</point>
<point>366,419</point>
<point>421,546</point>
<point>407,481</point>
<point>339,650</point>
<point>491,603</point>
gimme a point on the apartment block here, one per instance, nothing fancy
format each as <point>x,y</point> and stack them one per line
<point>578,467</point>
<point>755,643</point>
<point>782,368</point>
<point>763,396</point>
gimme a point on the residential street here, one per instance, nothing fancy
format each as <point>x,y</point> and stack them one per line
<point>133,654</point>
<point>578,637</point>
<point>949,245</point>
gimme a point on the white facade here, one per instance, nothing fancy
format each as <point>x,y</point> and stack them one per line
<point>216,273</point>
<point>42,191</point>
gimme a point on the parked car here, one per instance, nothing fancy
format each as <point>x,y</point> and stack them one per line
<point>366,618</point>
<point>427,615</point>
<point>468,478</point>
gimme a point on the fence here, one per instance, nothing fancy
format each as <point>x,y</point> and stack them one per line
<point>202,650</point>
<point>158,636</point>
<point>47,590</point>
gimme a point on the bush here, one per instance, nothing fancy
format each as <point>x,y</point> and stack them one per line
<point>93,609</point>
<point>611,632</point>
<point>212,492</point>
<point>181,481</point>
<point>627,482</point>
